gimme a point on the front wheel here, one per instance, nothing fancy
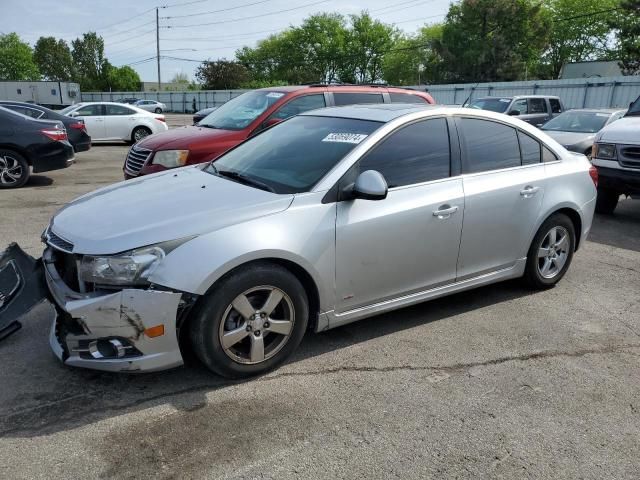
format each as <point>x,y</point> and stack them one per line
<point>14,169</point>
<point>251,321</point>
<point>551,252</point>
<point>607,201</point>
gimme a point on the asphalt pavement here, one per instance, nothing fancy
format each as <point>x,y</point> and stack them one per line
<point>500,382</point>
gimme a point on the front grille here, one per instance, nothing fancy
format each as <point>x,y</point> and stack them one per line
<point>629,156</point>
<point>136,158</point>
<point>67,267</point>
<point>59,243</point>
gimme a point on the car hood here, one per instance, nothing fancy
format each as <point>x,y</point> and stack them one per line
<point>156,208</point>
<point>184,137</point>
<point>571,138</point>
<point>625,130</point>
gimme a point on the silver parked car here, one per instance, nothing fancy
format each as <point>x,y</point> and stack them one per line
<point>329,217</point>
<point>576,129</point>
<point>151,106</point>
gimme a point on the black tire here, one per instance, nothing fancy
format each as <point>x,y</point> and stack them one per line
<point>533,274</point>
<point>14,169</point>
<point>205,328</point>
<point>139,133</point>
<point>607,201</point>
<point>588,152</point>
<point>158,110</point>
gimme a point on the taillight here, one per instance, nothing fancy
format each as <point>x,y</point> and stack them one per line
<point>161,119</point>
<point>54,134</point>
<point>78,126</point>
<point>593,173</point>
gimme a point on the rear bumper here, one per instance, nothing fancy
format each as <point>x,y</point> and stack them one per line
<point>85,325</point>
<point>623,181</point>
<point>54,157</point>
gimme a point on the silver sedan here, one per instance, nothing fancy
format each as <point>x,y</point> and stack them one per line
<point>330,217</point>
<point>151,106</point>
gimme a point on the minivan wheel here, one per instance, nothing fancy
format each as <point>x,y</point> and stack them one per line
<point>607,201</point>
<point>14,169</point>
<point>551,252</point>
<point>139,133</point>
<point>250,321</point>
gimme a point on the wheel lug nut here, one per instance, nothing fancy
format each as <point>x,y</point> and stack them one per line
<point>257,333</point>
<point>266,325</point>
<point>248,328</point>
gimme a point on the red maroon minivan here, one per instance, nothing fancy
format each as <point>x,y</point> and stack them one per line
<point>246,115</point>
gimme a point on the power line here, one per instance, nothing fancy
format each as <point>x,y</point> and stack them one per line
<point>128,31</point>
<point>250,17</point>
<point>217,11</point>
<point>397,5</point>
<point>137,35</point>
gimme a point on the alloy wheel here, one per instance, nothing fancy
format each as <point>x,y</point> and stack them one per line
<point>257,325</point>
<point>553,252</point>
<point>10,170</point>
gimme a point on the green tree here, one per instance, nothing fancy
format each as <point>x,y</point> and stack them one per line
<point>492,40</point>
<point>414,60</point>
<point>626,22</point>
<point>92,68</point>
<point>367,41</point>
<point>576,38</point>
<point>222,74</point>
<point>123,79</point>
<point>53,58</point>
<point>16,59</point>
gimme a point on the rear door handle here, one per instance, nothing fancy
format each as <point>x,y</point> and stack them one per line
<point>529,191</point>
<point>445,211</point>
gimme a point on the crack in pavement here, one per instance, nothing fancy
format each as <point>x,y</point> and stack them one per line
<point>452,369</point>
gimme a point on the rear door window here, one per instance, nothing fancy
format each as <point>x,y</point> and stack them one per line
<point>119,110</point>
<point>414,154</point>
<point>529,148</point>
<point>352,98</point>
<point>300,105</point>
<point>537,105</point>
<point>90,110</point>
<point>488,145</point>
<point>406,98</point>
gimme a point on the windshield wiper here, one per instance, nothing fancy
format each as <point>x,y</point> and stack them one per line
<point>241,178</point>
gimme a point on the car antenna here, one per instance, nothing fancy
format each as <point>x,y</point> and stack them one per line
<point>471,93</point>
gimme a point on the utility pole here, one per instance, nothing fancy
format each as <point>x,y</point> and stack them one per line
<point>158,45</point>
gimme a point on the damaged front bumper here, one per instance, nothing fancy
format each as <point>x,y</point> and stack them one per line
<point>126,330</point>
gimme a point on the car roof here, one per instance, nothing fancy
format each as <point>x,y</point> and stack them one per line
<point>377,112</point>
<point>347,87</point>
<point>516,96</point>
<point>596,110</point>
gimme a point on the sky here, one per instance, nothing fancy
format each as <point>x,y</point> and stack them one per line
<point>191,29</point>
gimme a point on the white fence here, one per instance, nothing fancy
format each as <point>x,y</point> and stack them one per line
<point>575,93</point>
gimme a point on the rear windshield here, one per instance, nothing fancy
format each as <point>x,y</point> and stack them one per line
<point>239,112</point>
<point>494,104</point>
<point>294,155</point>
<point>579,122</point>
<point>66,110</point>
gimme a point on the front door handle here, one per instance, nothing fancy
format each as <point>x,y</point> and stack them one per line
<point>445,211</point>
<point>529,191</point>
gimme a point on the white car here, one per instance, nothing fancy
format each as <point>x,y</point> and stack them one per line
<point>151,106</point>
<point>116,121</point>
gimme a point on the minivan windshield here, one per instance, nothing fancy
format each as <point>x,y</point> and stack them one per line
<point>293,156</point>
<point>579,122</point>
<point>634,108</point>
<point>239,112</point>
<point>494,104</point>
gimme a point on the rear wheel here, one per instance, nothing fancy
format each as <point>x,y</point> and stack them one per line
<point>14,169</point>
<point>607,201</point>
<point>158,110</point>
<point>139,133</point>
<point>251,321</point>
<point>551,252</point>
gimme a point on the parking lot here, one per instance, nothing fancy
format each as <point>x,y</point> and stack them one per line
<point>498,382</point>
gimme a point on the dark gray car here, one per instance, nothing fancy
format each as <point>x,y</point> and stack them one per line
<point>533,109</point>
<point>576,129</point>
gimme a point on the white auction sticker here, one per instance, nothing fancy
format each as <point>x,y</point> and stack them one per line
<point>505,100</point>
<point>345,137</point>
<point>275,94</point>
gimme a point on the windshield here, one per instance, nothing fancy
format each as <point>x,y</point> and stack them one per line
<point>66,110</point>
<point>239,112</point>
<point>579,122</point>
<point>494,104</point>
<point>634,108</point>
<point>294,155</point>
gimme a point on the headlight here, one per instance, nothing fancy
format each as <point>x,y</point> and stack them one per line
<point>606,151</point>
<point>131,268</point>
<point>171,158</point>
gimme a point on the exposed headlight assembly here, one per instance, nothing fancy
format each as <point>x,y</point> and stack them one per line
<point>605,151</point>
<point>127,269</point>
<point>171,158</point>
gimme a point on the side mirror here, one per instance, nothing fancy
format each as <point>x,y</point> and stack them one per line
<point>514,113</point>
<point>370,185</point>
